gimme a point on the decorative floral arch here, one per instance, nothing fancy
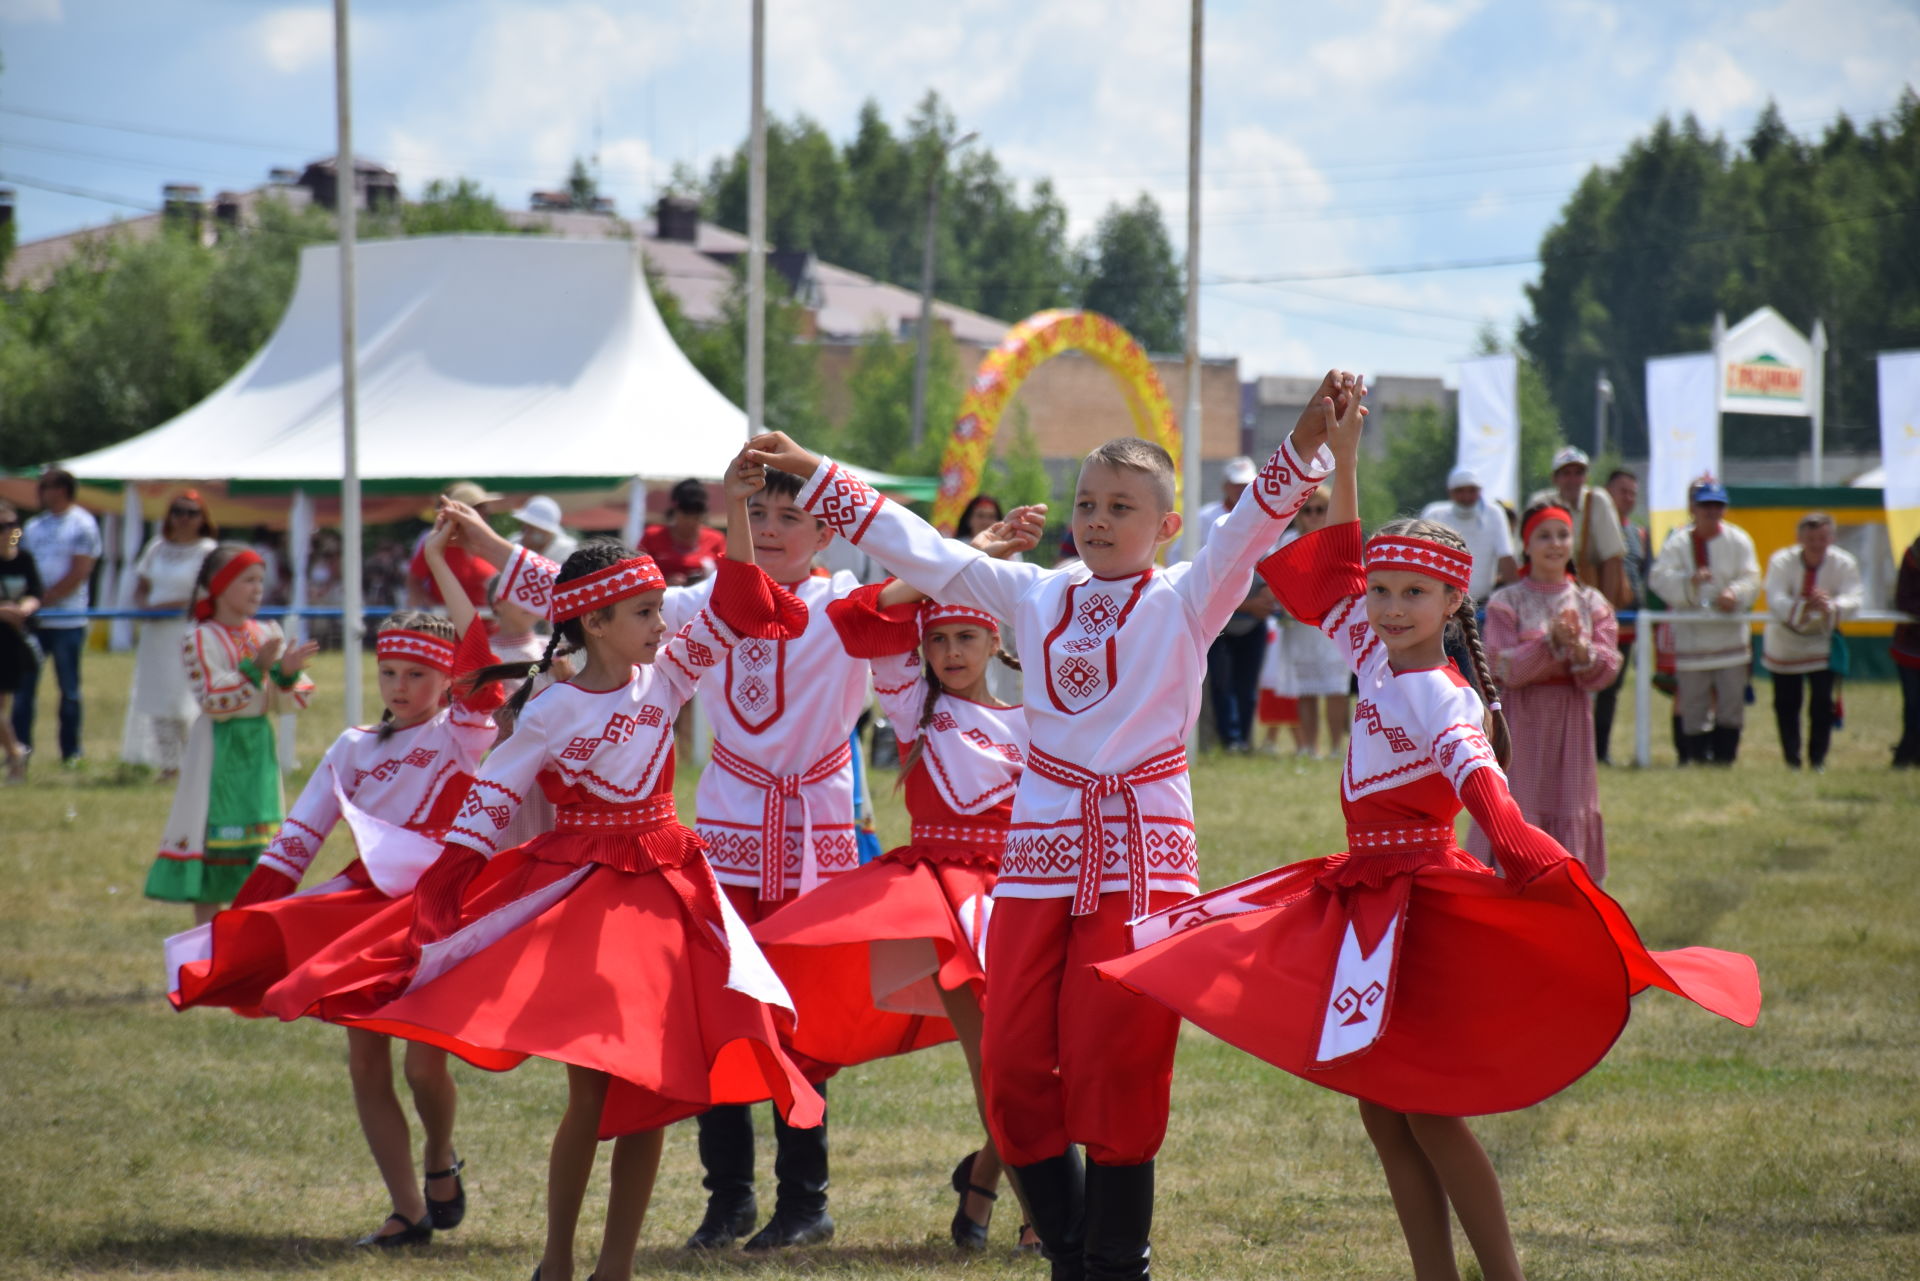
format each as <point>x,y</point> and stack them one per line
<point>1029,344</point>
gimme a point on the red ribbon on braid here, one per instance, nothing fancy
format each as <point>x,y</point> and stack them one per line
<point>223,579</point>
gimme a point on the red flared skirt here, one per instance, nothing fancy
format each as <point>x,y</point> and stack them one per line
<point>615,974</point>
<point>256,947</point>
<point>1499,997</point>
<point>866,954</point>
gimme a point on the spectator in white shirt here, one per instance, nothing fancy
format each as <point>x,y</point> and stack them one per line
<point>1484,527</point>
<point>64,541</point>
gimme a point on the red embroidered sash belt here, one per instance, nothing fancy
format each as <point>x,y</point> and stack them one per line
<point>1093,846</point>
<point>773,815</point>
<point>649,815</point>
<point>1399,838</point>
<point>982,836</point>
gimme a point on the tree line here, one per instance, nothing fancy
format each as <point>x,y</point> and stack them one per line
<point>1687,224</point>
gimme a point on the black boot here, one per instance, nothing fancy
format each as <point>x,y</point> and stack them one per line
<point>1726,744</point>
<point>726,1153</point>
<point>800,1200</point>
<point>1119,1221</point>
<point>1056,1196</point>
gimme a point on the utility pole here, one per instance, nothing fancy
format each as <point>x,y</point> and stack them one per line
<point>346,189</point>
<point>1190,419</point>
<point>757,232</point>
<point>934,181</point>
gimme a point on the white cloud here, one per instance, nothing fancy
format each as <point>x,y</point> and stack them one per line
<point>295,40</point>
<point>24,11</point>
<point>1707,80</point>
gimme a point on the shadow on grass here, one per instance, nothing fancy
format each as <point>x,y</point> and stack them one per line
<point>1690,911</point>
<point>268,1252</point>
<point>898,1259</point>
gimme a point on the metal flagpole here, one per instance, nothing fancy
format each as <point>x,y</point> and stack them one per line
<point>1818,376</point>
<point>345,191</point>
<point>1190,419</point>
<point>757,231</point>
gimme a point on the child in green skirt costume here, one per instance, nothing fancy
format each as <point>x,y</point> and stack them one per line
<point>228,805</point>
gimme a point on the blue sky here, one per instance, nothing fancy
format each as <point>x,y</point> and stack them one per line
<point>1338,138</point>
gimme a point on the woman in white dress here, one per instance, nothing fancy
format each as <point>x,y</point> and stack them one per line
<point>1316,669</point>
<point>161,706</point>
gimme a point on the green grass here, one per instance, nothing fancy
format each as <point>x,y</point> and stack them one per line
<point>143,1142</point>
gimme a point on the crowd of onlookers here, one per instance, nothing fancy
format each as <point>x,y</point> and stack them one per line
<point>1266,672</point>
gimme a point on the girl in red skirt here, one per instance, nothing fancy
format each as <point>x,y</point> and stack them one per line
<point>907,932</point>
<point>605,943</point>
<point>398,784</point>
<point>1402,971</point>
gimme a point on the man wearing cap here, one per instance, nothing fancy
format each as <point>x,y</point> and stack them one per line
<point>541,531</point>
<point>1599,548</point>
<point>473,573</point>
<point>1708,571</point>
<point>1483,526</point>
<point>1233,660</point>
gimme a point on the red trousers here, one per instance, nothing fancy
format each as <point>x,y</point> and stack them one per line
<point>1066,1057</point>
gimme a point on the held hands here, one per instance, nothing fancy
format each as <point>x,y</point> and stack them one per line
<point>777,450</point>
<point>1341,417</point>
<point>1019,532</point>
<point>461,519</point>
<point>443,533</point>
<point>1340,387</point>
<point>744,478</point>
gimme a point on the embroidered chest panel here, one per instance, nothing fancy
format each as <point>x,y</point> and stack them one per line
<point>757,682</point>
<point>614,747</point>
<point>1082,650</point>
<point>1385,747</point>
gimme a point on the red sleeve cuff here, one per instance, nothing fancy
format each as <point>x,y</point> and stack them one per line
<point>1522,850</point>
<point>869,630</point>
<point>473,653</point>
<point>752,604</point>
<point>1315,572</point>
<point>437,898</point>
<point>264,885</point>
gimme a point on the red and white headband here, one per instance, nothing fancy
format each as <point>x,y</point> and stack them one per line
<point>407,646</point>
<point>934,613</point>
<point>605,586</point>
<point>1420,556</point>
<point>528,582</point>
<point>1541,517</point>
<point>222,579</point>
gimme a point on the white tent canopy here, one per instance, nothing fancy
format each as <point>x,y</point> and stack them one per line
<point>492,357</point>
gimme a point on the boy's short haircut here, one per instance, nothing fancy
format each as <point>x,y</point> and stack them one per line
<point>785,485</point>
<point>1143,456</point>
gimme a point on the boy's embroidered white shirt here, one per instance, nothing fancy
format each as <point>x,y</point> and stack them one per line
<point>784,706</point>
<point>1113,675</point>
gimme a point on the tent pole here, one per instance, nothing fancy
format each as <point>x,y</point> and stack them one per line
<point>133,537</point>
<point>757,231</point>
<point>346,192</point>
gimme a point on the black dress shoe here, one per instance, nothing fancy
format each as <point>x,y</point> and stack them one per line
<point>723,1225</point>
<point>447,1214</point>
<point>410,1234</point>
<point>790,1227</point>
<point>967,1234</point>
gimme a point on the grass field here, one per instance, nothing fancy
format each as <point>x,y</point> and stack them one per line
<point>140,1142</point>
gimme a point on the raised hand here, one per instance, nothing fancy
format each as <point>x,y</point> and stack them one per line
<point>1341,419</point>
<point>777,450</point>
<point>461,517</point>
<point>744,478</point>
<point>444,529</point>
<point>297,658</point>
<point>1339,386</point>
<point>1019,531</point>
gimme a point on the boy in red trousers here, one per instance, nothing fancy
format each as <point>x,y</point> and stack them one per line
<point>1103,820</point>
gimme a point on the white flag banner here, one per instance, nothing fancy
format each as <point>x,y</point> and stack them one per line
<point>1767,367</point>
<point>1683,435</point>
<point>1490,425</point>
<point>1900,446</point>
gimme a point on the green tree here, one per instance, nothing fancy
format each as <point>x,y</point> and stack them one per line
<point>879,429</point>
<point>719,352</point>
<point>1131,274</point>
